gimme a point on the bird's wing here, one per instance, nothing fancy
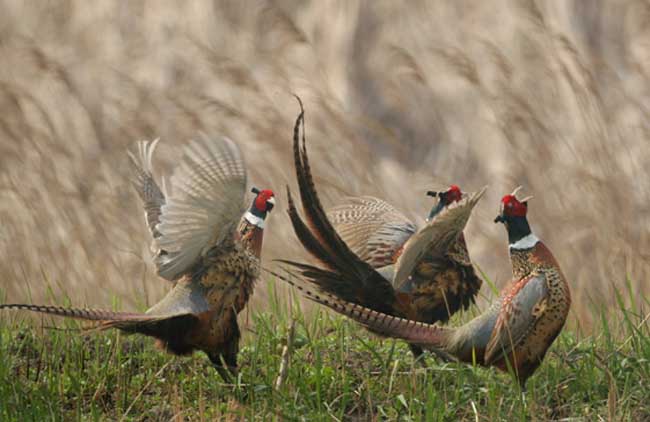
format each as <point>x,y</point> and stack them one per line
<point>436,237</point>
<point>372,228</point>
<point>145,185</point>
<point>346,275</point>
<point>520,309</point>
<point>205,205</point>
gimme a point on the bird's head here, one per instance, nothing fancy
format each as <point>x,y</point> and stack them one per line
<point>512,214</point>
<point>263,203</point>
<point>445,198</point>
<point>512,208</point>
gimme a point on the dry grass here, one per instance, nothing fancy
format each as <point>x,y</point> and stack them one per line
<point>553,95</point>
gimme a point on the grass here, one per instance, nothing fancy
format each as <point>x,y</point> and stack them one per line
<point>336,371</point>
<point>551,96</point>
<point>400,100</point>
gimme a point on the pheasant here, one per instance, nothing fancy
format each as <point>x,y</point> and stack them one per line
<point>516,331</point>
<point>205,242</point>
<point>442,282</point>
<point>424,275</point>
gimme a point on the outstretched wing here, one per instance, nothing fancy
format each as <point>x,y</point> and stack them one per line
<point>519,312</point>
<point>145,185</point>
<point>346,275</point>
<point>205,205</point>
<point>372,228</point>
<point>436,237</point>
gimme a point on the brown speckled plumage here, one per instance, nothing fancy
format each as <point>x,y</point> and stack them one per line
<point>203,243</point>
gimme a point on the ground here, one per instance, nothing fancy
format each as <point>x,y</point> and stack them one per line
<point>336,371</point>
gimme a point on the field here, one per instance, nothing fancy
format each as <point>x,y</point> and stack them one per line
<point>335,371</point>
<point>551,95</point>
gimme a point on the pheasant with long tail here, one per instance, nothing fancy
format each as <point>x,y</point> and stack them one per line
<point>515,332</point>
<point>205,242</point>
<point>375,257</point>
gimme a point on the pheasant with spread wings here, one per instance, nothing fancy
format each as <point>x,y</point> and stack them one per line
<point>375,257</point>
<point>205,242</point>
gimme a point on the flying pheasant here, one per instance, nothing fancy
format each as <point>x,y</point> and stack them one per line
<point>205,242</point>
<point>516,331</point>
<point>425,274</point>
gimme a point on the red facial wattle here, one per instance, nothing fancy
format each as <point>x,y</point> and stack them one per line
<point>512,207</point>
<point>261,201</point>
<point>453,194</point>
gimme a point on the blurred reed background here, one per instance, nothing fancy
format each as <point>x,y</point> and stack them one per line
<point>400,98</point>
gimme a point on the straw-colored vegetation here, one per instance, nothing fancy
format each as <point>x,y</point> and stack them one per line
<point>400,98</point>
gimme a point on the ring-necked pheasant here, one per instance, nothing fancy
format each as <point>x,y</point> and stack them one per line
<point>423,274</point>
<point>441,283</point>
<point>205,242</point>
<point>519,327</point>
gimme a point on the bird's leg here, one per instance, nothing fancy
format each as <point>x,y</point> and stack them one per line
<point>224,356</point>
<point>228,375</point>
<point>227,370</point>
<point>523,397</point>
<point>523,391</point>
<point>418,355</point>
<point>522,387</point>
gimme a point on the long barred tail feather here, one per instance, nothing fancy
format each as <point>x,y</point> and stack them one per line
<point>126,321</point>
<point>168,329</point>
<point>350,278</point>
<point>77,313</point>
<point>427,335</point>
<point>309,240</point>
<point>317,219</point>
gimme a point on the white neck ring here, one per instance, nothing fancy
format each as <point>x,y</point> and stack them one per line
<point>525,242</point>
<point>254,220</point>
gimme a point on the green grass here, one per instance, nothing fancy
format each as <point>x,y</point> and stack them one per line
<point>337,371</point>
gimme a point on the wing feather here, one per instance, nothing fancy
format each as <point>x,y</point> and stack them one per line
<point>517,316</point>
<point>436,237</point>
<point>206,203</point>
<point>372,228</point>
<point>145,185</point>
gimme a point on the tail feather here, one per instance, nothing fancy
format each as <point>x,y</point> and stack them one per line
<point>350,277</point>
<point>169,329</point>
<point>77,313</point>
<point>332,283</point>
<point>307,238</point>
<point>415,332</point>
<point>317,219</point>
<point>308,195</point>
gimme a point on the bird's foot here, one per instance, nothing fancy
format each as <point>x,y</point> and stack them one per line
<point>524,393</point>
<point>421,361</point>
<point>443,356</point>
<point>229,375</point>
